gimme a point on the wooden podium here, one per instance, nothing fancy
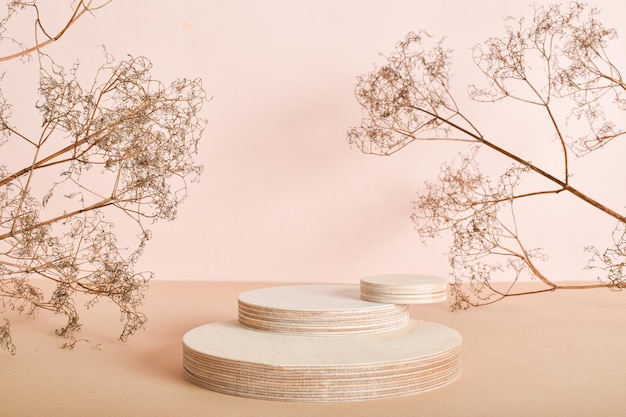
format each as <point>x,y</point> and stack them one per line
<point>325,343</point>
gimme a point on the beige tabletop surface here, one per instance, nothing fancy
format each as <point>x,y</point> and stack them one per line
<point>561,353</point>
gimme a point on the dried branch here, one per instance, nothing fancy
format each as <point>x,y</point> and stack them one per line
<point>558,59</point>
<point>119,152</point>
<point>80,9</point>
<point>5,338</point>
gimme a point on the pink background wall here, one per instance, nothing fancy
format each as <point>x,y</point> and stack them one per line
<point>283,197</point>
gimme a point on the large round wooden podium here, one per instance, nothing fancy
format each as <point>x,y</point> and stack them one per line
<point>323,343</point>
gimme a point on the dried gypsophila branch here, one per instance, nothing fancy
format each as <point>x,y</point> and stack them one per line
<point>410,98</point>
<point>126,145</point>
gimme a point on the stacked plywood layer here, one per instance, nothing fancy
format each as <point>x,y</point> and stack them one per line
<point>322,343</point>
<point>404,289</point>
<point>231,359</point>
<point>317,310</point>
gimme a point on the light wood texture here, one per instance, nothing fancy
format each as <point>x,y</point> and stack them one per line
<point>404,289</point>
<point>317,309</point>
<point>229,358</point>
<point>321,343</point>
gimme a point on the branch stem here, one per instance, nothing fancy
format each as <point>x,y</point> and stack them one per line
<point>564,185</point>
